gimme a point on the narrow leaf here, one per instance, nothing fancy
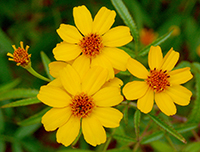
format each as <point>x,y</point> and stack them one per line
<point>127,18</point>
<point>34,119</point>
<point>23,102</point>
<point>192,147</point>
<point>46,61</point>
<point>195,114</point>
<point>167,128</point>
<point>124,138</point>
<point>158,41</point>
<point>18,93</point>
<point>10,85</point>
<point>137,117</point>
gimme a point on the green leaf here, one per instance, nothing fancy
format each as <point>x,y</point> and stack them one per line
<point>124,138</point>
<point>74,150</point>
<point>34,119</point>
<point>2,145</point>
<point>167,128</point>
<point>5,43</point>
<point>119,150</point>
<point>161,146</point>
<point>128,20</point>
<point>18,93</point>
<point>23,102</point>
<point>137,117</point>
<point>194,117</point>
<point>46,61</point>
<point>10,85</point>
<point>129,51</point>
<point>158,41</point>
<point>16,147</point>
<point>192,147</point>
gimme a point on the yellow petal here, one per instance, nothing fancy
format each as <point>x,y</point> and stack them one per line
<point>55,67</point>
<point>179,94</point>
<point>165,103</point>
<point>109,117</point>
<point>53,96</point>
<point>69,33</point>
<point>66,51</point>
<point>109,96</point>
<point>103,20</point>
<point>117,36</point>
<point>70,80</point>
<point>180,76</point>
<point>83,19</point>
<point>93,131</point>
<point>67,133</point>
<point>115,82</point>
<point>134,90</point>
<point>170,60</point>
<point>94,79</point>
<point>117,57</point>
<point>55,118</point>
<point>81,65</point>
<point>102,61</point>
<point>56,83</point>
<point>145,103</point>
<point>137,69</point>
<point>155,57</point>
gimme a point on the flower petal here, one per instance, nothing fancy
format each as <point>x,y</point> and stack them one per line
<point>81,65</point>
<point>102,61</point>
<point>69,33</point>
<point>93,131</point>
<point>117,57</point>
<point>56,83</point>
<point>83,19</point>
<point>179,94</point>
<point>94,79</point>
<point>145,103</point>
<point>117,36</point>
<point>53,96</point>
<point>67,133</point>
<point>115,82</point>
<point>134,90</point>
<point>109,96</point>
<point>66,51</point>
<point>55,67</point>
<point>165,103</point>
<point>109,117</point>
<point>180,76</point>
<point>137,69</point>
<point>70,80</point>
<point>103,20</point>
<point>170,60</point>
<point>55,118</point>
<point>155,57</point>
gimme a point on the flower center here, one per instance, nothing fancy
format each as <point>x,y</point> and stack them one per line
<point>158,80</point>
<point>91,45</point>
<point>21,56</point>
<point>82,105</point>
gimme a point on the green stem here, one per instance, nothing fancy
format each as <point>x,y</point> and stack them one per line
<point>108,141</point>
<point>33,72</point>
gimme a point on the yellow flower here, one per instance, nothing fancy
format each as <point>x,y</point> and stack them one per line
<point>93,40</point>
<point>20,56</point>
<point>160,83</point>
<point>83,100</point>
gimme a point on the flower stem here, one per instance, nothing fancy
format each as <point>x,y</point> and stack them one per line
<point>33,72</point>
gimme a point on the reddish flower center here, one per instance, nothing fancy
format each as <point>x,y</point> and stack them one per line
<point>158,80</point>
<point>21,56</point>
<point>82,105</point>
<point>91,45</point>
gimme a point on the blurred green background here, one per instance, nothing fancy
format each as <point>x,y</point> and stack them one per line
<point>35,22</point>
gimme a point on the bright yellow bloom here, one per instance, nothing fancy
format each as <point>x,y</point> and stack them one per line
<point>160,83</point>
<point>83,99</point>
<point>93,40</point>
<point>20,56</point>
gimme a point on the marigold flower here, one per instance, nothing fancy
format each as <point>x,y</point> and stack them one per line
<point>93,40</point>
<point>84,100</point>
<point>160,83</point>
<point>20,56</point>
<point>147,36</point>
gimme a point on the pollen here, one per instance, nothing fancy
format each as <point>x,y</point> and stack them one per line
<point>158,80</point>
<point>20,55</point>
<point>82,105</point>
<point>91,45</point>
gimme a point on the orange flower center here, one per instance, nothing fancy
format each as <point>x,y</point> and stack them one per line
<point>91,45</point>
<point>82,105</point>
<point>158,80</point>
<point>21,56</point>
